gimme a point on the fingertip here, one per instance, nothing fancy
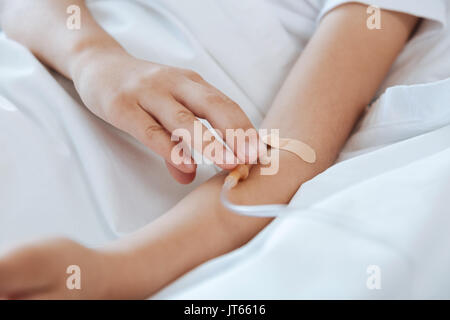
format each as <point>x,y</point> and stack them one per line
<point>228,166</point>
<point>187,167</point>
<point>186,178</point>
<point>181,176</point>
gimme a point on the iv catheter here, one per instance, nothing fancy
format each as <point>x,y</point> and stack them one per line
<point>241,172</point>
<point>231,180</point>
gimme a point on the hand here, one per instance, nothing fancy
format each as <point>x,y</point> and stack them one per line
<point>39,272</point>
<point>149,101</point>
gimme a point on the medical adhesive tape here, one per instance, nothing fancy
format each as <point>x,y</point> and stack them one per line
<point>299,148</point>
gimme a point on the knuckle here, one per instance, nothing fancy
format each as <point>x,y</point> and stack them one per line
<point>164,72</point>
<point>193,75</point>
<point>159,78</point>
<point>184,116</point>
<point>120,98</point>
<point>153,130</point>
<point>115,113</point>
<point>233,112</point>
<point>216,99</point>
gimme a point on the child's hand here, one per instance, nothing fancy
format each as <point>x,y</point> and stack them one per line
<point>40,271</point>
<point>59,268</point>
<point>149,101</point>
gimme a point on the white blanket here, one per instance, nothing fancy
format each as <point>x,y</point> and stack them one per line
<point>387,209</point>
<point>65,172</point>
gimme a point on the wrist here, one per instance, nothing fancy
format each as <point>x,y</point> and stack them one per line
<point>91,51</point>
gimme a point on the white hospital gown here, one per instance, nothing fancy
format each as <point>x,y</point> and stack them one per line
<point>64,171</point>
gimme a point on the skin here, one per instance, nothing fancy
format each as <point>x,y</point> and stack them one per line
<point>147,100</point>
<point>333,80</point>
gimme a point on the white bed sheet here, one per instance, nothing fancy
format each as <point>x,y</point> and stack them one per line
<point>65,172</point>
<point>388,208</point>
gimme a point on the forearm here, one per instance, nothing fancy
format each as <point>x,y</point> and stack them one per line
<point>336,77</point>
<point>196,230</point>
<point>41,27</point>
<point>332,82</point>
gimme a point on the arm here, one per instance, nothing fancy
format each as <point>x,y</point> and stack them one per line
<point>333,80</point>
<point>147,100</point>
<point>27,21</point>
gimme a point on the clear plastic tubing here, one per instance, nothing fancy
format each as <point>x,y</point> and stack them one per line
<point>268,210</point>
